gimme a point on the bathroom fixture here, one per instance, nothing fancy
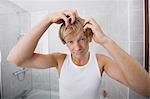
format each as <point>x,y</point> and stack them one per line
<point>20,74</point>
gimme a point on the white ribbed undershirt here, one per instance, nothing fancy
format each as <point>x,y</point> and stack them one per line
<point>80,82</point>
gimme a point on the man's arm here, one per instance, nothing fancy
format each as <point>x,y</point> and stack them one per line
<point>23,53</point>
<point>123,67</point>
<point>24,49</point>
<point>133,75</point>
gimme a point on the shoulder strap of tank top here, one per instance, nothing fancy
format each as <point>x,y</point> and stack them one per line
<point>96,63</point>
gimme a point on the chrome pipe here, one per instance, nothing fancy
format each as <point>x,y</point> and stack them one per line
<point>20,71</point>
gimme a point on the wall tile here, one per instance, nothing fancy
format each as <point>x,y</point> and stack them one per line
<point>136,50</point>
<point>11,86</point>
<point>136,25</point>
<point>41,79</point>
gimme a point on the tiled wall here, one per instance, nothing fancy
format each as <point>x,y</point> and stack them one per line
<point>12,21</point>
<point>136,30</point>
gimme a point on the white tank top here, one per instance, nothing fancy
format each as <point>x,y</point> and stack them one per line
<point>80,82</point>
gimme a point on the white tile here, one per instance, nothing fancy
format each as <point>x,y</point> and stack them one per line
<point>136,26</point>
<point>136,4</point>
<point>11,86</point>
<point>136,50</point>
<point>41,79</point>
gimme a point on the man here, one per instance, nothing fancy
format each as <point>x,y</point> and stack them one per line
<point>80,71</point>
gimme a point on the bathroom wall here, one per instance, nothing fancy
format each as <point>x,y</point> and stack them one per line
<point>136,30</point>
<point>13,20</point>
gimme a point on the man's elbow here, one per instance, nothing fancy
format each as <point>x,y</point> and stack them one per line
<point>13,61</point>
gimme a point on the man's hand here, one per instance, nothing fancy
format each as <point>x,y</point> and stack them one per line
<point>98,34</point>
<point>63,16</point>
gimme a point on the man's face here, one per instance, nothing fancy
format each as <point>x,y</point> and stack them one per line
<point>78,45</point>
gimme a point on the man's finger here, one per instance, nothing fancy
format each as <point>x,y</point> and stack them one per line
<point>87,26</point>
<point>69,15</point>
<point>75,13</point>
<point>65,19</point>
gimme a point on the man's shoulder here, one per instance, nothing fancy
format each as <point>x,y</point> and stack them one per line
<point>60,58</point>
<point>101,56</point>
<point>59,55</point>
<point>103,59</point>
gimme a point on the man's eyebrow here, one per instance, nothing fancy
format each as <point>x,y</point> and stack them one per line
<point>68,39</point>
<point>82,36</point>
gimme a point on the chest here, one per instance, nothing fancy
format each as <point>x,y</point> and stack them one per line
<point>75,78</point>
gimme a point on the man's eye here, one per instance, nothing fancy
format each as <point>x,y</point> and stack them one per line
<point>83,39</point>
<point>70,42</point>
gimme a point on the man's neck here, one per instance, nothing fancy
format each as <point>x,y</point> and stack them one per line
<point>81,61</point>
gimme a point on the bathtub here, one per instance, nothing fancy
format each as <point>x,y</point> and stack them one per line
<point>41,94</point>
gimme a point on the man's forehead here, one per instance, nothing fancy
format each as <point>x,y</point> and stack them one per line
<point>74,36</point>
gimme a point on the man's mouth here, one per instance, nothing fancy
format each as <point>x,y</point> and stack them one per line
<point>78,52</point>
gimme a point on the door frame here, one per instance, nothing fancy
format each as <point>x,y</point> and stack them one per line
<point>146,12</point>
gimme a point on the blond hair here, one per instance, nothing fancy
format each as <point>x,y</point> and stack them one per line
<point>74,29</point>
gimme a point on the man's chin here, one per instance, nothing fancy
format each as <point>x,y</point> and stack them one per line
<point>78,55</point>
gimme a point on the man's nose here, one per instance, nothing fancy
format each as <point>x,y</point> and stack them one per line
<point>77,46</point>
